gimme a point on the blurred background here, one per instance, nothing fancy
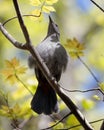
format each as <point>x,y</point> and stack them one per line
<point>75,18</point>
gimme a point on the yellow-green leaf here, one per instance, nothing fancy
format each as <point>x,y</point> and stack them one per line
<point>15,62</point>
<point>59,126</point>
<point>96,97</point>
<point>48,9</point>
<point>12,79</point>
<point>4,111</point>
<point>5,108</point>
<point>72,121</point>
<point>87,104</point>
<point>12,63</point>
<point>101,86</point>
<point>21,70</point>
<point>10,75</point>
<point>50,2</point>
<point>35,2</point>
<point>36,12</point>
<point>7,72</point>
<point>8,64</point>
<point>16,109</point>
<point>26,111</point>
<point>12,70</point>
<point>74,48</point>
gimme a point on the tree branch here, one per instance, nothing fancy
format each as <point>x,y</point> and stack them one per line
<point>57,122</point>
<point>75,126</point>
<point>102,126</point>
<point>21,22</point>
<point>46,71</point>
<point>25,15</point>
<point>11,39</point>
<point>25,122</point>
<point>93,75</point>
<point>97,5</point>
<point>84,91</point>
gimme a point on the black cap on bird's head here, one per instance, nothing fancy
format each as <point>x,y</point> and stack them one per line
<point>52,28</point>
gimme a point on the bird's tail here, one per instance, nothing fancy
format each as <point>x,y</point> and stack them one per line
<point>44,100</point>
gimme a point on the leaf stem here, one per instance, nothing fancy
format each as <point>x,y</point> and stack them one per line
<point>93,75</point>
<point>23,84</point>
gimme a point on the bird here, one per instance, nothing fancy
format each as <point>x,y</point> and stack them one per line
<point>55,57</point>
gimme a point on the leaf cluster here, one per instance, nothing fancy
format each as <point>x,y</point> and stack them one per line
<point>15,112</point>
<point>75,48</point>
<point>42,6</point>
<point>13,68</point>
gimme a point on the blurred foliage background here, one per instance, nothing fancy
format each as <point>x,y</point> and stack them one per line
<point>75,18</point>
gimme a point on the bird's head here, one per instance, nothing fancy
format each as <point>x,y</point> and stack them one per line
<point>53,28</point>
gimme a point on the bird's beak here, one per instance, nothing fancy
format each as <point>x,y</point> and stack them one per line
<point>52,28</point>
<point>50,19</point>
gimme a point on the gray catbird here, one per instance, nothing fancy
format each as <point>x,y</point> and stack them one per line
<point>56,58</point>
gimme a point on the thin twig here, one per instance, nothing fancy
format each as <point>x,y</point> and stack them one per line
<point>81,91</point>
<point>15,124</point>
<point>22,124</point>
<point>92,122</point>
<point>97,5</point>
<point>84,91</point>
<point>69,127</point>
<point>23,84</point>
<point>57,122</point>
<point>93,75</point>
<point>25,15</point>
<point>6,100</point>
